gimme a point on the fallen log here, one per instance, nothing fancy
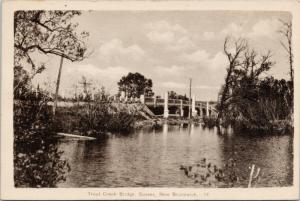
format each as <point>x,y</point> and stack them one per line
<point>76,136</point>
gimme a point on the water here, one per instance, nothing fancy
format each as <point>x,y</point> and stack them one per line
<point>152,157</point>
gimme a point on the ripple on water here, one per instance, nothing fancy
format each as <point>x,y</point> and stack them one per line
<point>150,158</point>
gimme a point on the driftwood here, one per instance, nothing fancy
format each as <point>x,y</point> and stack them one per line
<point>76,136</point>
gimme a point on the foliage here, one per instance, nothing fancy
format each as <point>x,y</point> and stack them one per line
<point>261,105</point>
<point>209,122</point>
<point>22,79</point>
<point>45,32</point>
<point>264,105</point>
<point>208,174</point>
<point>37,161</point>
<point>174,95</point>
<point>247,99</point>
<point>135,84</point>
<point>95,117</point>
<point>239,46</point>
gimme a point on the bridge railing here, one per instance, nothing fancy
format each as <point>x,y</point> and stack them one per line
<point>171,101</point>
<point>198,104</point>
<point>149,100</point>
<point>177,101</point>
<point>185,102</point>
<point>160,100</point>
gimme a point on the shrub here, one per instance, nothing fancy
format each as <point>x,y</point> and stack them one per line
<point>210,122</point>
<point>37,161</point>
<point>94,118</point>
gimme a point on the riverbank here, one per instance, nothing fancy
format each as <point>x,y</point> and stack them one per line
<point>172,143</point>
<point>276,126</point>
<point>157,122</point>
<point>96,119</point>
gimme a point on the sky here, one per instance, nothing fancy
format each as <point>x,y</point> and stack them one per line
<point>168,47</point>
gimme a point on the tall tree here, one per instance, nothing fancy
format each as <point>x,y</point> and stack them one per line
<point>46,32</point>
<point>240,88</point>
<point>233,57</point>
<point>245,80</point>
<point>135,84</point>
<point>286,31</point>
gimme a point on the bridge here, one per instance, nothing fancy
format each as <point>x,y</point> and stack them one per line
<point>175,107</point>
<point>164,107</point>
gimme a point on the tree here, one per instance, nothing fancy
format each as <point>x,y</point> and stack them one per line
<point>21,78</point>
<point>245,85</point>
<point>135,84</point>
<point>286,31</point>
<point>240,92</point>
<point>37,162</point>
<point>46,32</point>
<point>233,57</point>
<point>174,95</point>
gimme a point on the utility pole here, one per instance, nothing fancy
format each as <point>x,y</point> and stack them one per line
<point>190,98</point>
<point>57,85</point>
<point>85,86</point>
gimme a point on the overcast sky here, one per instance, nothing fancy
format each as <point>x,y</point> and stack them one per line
<point>168,47</point>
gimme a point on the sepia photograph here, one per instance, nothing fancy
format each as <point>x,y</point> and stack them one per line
<point>197,99</point>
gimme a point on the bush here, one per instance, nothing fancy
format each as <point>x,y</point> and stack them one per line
<point>210,122</point>
<point>94,118</point>
<point>260,105</point>
<point>37,161</point>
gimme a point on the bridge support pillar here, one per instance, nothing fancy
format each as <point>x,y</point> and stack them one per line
<point>201,112</point>
<point>142,99</point>
<point>194,112</point>
<point>207,109</point>
<point>92,96</point>
<point>181,108</point>
<point>166,110</point>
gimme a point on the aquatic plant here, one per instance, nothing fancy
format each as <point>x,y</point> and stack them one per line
<point>208,174</point>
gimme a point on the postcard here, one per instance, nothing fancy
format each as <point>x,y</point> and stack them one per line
<point>168,100</point>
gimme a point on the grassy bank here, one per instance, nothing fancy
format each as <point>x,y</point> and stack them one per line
<point>265,127</point>
<point>93,119</point>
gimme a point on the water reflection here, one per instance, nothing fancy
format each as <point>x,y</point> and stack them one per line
<point>152,157</point>
<point>191,129</point>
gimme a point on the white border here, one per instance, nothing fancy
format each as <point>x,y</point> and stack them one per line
<point>7,188</point>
